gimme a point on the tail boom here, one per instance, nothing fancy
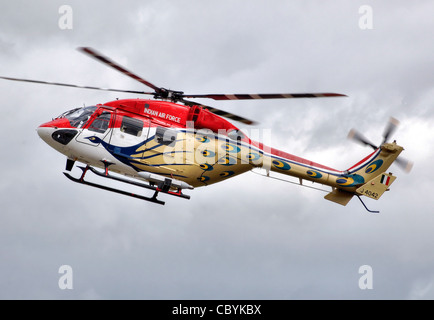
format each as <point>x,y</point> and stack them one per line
<point>367,177</point>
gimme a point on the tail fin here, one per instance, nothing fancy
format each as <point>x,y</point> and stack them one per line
<point>368,176</point>
<point>376,187</point>
<point>377,162</point>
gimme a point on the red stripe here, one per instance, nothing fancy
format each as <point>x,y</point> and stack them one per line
<point>363,160</point>
<point>291,157</point>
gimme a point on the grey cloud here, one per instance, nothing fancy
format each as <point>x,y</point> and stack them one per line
<point>248,237</point>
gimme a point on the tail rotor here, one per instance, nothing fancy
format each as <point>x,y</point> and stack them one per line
<point>390,129</point>
<point>360,138</point>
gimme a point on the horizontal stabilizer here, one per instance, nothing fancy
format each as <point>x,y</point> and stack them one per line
<point>375,188</point>
<point>339,196</point>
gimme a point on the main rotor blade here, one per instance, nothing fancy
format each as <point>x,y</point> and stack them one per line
<point>358,137</point>
<point>390,129</point>
<point>264,96</point>
<point>95,54</point>
<point>221,113</point>
<point>74,86</point>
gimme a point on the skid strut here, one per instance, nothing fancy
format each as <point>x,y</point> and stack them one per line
<point>164,187</point>
<point>371,211</point>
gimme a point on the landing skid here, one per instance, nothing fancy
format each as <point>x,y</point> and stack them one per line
<point>371,211</point>
<point>164,188</point>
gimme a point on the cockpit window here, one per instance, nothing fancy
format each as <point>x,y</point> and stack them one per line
<point>78,117</point>
<point>101,123</point>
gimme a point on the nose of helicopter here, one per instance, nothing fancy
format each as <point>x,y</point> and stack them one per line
<point>46,134</point>
<point>55,134</point>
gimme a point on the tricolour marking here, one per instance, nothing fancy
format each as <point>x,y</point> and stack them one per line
<point>385,180</point>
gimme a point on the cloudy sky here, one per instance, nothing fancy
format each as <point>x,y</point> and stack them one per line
<point>249,237</point>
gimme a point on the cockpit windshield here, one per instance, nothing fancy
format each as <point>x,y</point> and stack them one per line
<point>79,116</point>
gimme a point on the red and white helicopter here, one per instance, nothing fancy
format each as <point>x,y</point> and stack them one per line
<point>170,144</point>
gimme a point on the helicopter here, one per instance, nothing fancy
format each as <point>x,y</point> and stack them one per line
<point>170,144</point>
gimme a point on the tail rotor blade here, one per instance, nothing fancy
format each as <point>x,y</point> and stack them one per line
<point>404,164</point>
<point>358,137</point>
<point>390,129</point>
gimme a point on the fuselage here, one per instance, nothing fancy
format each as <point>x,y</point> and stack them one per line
<point>190,144</point>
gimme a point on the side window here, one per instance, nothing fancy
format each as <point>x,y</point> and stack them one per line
<point>165,135</point>
<point>101,123</point>
<point>132,126</point>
